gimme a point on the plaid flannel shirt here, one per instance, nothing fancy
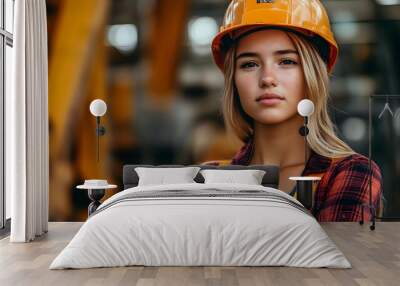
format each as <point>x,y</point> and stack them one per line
<point>343,188</point>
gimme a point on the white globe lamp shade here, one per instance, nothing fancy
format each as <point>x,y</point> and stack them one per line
<point>305,107</point>
<point>98,107</point>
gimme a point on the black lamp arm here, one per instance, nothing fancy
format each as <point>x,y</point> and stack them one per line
<point>100,130</point>
<point>303,130</point>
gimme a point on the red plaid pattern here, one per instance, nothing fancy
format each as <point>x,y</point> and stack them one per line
<point>344,185</point>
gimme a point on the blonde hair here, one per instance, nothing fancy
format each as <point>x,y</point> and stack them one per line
<point>321,138</point>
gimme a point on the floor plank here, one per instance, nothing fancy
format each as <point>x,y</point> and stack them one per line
<point>374,255</point>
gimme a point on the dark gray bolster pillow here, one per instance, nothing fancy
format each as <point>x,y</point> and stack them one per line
<point>271,178</point>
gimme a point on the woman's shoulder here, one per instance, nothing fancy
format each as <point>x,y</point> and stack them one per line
<point>353,159</point>
<point>355,163</point>
<point>346,187</point>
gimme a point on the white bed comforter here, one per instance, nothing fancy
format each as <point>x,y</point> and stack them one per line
<point>189,230</point>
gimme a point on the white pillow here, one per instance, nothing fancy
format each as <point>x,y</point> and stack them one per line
<point>162,176</point>
<point>249,177</point>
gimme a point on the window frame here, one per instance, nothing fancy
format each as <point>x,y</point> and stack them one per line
<point>6,39</point>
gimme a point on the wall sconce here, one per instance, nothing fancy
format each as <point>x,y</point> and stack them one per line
<point>98,108</point>
<point>305,108</point>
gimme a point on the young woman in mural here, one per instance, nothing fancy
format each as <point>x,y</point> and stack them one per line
<point>274,54</point>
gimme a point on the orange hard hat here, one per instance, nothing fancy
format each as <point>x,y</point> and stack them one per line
<point>305,16</point>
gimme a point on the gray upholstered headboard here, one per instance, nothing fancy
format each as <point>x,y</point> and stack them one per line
<point>270,179</point>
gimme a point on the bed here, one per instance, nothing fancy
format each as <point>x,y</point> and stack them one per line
<point>201,224</point>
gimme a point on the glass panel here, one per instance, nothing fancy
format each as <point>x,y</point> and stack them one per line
<point>385,139</point>
<point>9,9</point>
<point>1,14</point>
<point>2,204</point>
<point>8,86</point>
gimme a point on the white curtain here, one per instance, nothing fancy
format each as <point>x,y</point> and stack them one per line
<point>27,155</point>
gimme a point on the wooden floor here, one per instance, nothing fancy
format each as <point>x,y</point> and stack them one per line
<point>374,255</point>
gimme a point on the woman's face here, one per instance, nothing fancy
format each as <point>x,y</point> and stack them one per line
<point>269,76</point>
